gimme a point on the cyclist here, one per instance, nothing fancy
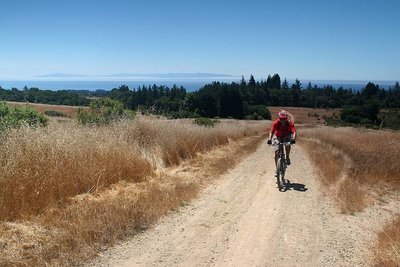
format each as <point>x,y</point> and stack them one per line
<point>284,131</point>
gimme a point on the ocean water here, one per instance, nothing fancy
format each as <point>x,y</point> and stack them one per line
<point>189,84</point>
<point>92,85</point>
<point>349,84</point>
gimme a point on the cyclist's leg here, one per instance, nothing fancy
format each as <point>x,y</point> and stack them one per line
<point>275,142</point>
<point>287,149</point>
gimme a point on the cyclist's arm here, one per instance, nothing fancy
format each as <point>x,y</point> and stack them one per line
<point>293,130</point>
<point>273,130</point>
<point>271,133</point>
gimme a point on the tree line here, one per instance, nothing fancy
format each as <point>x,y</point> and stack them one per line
<point>245,99</point>
<point>248,99</point>
<point>35,95</point>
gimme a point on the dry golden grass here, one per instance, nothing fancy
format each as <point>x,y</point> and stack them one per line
<point>359,166</point>
<point>44,167</point>
<point>333,168</point>
<point>373,154</point>
<point>168,142</point>
<point>125,188</point>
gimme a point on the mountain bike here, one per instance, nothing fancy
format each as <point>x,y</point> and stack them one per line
<point>281,166</point>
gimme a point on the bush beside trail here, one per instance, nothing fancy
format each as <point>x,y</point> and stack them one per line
<point>103,111</point>
<point>16,117</point>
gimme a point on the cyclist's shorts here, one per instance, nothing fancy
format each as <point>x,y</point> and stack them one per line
<point>276,140</point>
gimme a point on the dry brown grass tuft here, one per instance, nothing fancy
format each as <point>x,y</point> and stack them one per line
<point>333,169</point>
<point>387,252</point>
<point>331,163</point>
<point>117,192</point>
<point>369,160</point>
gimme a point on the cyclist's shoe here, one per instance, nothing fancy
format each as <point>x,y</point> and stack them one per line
<point>276,174</point>
<point>288,161</point>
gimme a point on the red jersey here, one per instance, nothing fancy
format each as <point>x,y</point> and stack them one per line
<point>283,129</point>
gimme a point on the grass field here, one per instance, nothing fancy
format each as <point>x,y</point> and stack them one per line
<point>67,190</point>
<point>69,111</point>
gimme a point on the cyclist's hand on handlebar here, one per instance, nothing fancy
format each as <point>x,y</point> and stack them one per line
<point>269,142</point>
<point>293,141</point>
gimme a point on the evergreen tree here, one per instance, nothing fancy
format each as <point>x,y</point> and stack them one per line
<point>309,86</point>
<point>285,85</point>
<point>230,103</point>
<point>370,90</point>
<point>269,82</point>
<point>276,81</point>
<point>243,82</point>
<point>295,93</point>
<point>252,81</point>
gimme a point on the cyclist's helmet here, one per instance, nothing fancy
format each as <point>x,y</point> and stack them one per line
<point>283,114</point>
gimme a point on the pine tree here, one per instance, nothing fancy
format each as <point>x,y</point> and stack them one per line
<point>285,85</point>
<point>276,81</point>
<point>243,82</point>
<point>252,81</point>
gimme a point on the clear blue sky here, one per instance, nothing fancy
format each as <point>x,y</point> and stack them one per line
<point>341,39</point>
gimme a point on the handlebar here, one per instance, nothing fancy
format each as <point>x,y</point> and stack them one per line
<point>285,143</point>
<point>282,143</point>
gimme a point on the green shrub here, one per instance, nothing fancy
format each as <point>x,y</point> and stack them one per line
<point>54,113</point>
<point>181,114</point>
<point>103,111</point>
<point>391,119</point>
<point>258,112</point>
<point>336,122</point>
<point>254,116</point>
<point>352,119</point>
<point>16,117</point>
<point>366,121</point>
<point>204,122</point>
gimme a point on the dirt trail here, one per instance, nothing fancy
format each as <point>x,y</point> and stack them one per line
<point>243,220</point>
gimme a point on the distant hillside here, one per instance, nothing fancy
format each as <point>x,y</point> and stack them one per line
<point>61,75</point>
<point>170,75</point>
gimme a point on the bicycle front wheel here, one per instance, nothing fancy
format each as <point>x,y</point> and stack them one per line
<point>280,174</point>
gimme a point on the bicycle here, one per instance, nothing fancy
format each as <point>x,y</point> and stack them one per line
<point>281,166</point>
